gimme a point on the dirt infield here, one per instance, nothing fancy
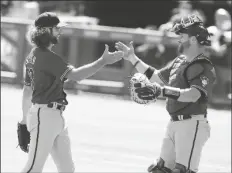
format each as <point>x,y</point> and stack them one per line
<point>110,134</point>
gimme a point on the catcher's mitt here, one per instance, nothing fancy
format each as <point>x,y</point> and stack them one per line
<point>23,137</point>
<point>142,91</point>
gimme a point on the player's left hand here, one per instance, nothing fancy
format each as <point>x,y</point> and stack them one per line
<point>142,91</point>
<point>111,57</point>
<point>149,91</point>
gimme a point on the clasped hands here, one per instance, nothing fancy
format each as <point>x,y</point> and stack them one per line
<point>123,51</point>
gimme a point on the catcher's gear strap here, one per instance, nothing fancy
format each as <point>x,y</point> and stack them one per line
<point>194,71</point>
<point>149,72</point>
<point>171,92</point>
<point>195,68</point>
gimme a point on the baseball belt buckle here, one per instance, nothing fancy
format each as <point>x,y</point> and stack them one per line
<point>62,108</point>
<point>55,105</point>
<point>180,117</point>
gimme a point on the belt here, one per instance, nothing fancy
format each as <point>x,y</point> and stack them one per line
<point>183,117</point>
<point>56,106</point>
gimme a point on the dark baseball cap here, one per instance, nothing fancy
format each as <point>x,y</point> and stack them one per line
<point>48,19</point>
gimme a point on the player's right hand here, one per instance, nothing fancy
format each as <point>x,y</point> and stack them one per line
<point>111,57</point>
<point>127,50</point>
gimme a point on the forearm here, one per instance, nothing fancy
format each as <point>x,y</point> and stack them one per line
<point>140,66</point>
<point>143,68</point>
<point>86,71</point>
<point>26,102</point>
<point>181,95</point>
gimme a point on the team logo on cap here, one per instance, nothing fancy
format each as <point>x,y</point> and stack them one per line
<point>204,81</point>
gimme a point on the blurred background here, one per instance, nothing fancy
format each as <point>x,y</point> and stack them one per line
<point>109,132</point>
<point>94,23</point>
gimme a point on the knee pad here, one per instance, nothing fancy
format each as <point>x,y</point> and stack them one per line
<point>158,168</point>
<point>179,168</point>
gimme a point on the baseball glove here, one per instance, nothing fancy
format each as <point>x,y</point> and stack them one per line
<point>142,91</point>
<point>23,137</point>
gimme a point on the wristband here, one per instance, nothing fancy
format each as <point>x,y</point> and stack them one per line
<point>136,63</point>
<point>170,92</point>
<point>149,72</point>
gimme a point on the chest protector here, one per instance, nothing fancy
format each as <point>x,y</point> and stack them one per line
<point>178,79</point>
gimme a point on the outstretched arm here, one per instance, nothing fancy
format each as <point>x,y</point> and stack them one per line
<point>88,70</point>
<point>140,66</point>
<point>181,95</point>
<point>153,90</point>
<point>200,79</point>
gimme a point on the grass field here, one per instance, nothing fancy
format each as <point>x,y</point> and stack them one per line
<point>110,134</point>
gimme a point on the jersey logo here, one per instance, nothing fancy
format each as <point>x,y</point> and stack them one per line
<point>204,81</point>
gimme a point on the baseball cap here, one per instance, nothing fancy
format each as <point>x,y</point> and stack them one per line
<point>48,19</point>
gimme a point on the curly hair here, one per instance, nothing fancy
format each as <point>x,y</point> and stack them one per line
<point>40,37</point>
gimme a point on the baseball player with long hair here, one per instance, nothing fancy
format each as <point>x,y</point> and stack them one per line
<point>43,130</point>
<point>186,83</point>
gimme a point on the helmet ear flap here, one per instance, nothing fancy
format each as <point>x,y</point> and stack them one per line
<point>203,38</point>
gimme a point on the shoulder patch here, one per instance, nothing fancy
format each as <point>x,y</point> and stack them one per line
<point>194,70</point>
<point>204,81</point>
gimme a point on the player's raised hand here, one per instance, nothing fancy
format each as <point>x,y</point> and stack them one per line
<point>127,50</point>
<point>111,57</point>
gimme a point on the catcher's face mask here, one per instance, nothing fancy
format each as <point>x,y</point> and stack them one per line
<point>193,26</point>
<point>185,23</point>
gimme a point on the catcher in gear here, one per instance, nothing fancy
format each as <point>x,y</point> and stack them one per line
<point>186,83</point>
<point>44,99</point>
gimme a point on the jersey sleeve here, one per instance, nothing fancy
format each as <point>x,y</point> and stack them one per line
<point>202,77</point>
<point>164,72</point>
<point>59,68</point>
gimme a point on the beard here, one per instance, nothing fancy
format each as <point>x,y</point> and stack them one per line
<point>183,46</point>
<point>180,48</point>
<point>54,40</point>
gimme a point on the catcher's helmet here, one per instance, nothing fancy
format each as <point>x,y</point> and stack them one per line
<point>193,26</point>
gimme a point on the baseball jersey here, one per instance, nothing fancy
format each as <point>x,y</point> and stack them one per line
<point>45,73</point>
<point>199,73</point>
